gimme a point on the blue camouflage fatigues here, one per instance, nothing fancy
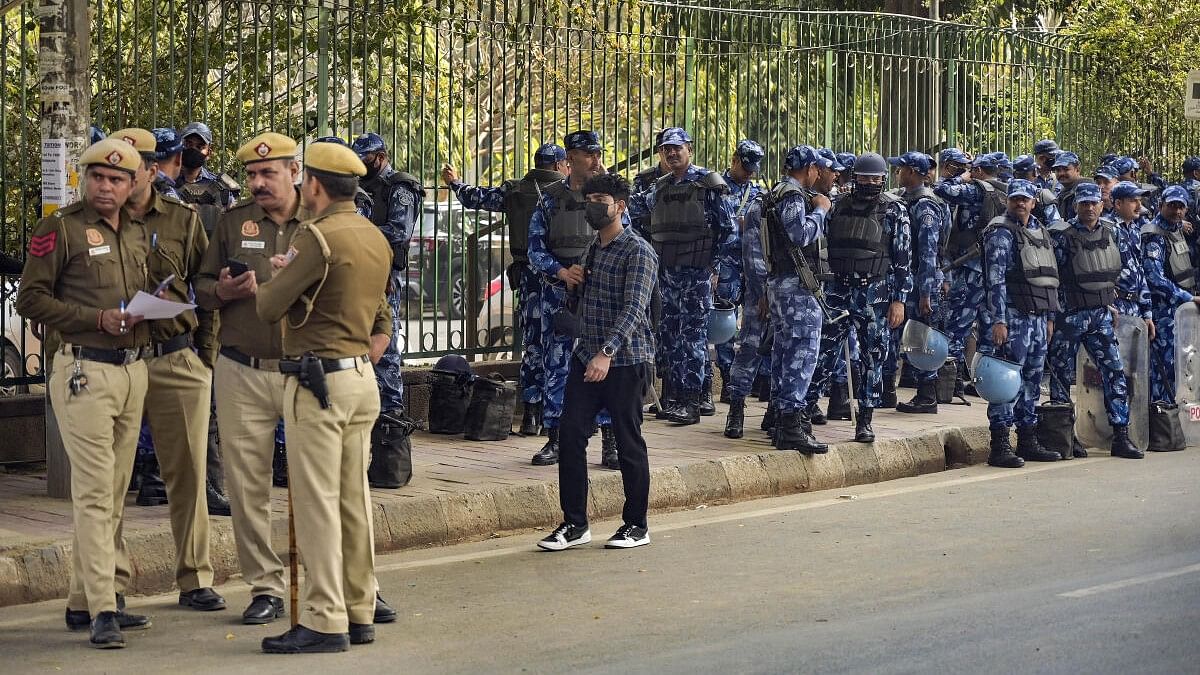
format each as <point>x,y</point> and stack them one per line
<point>746,361</point>
<point>1094,329</point>
<point>528,290</point>
<point>1133,295</point>
<point>1166,296</point>
<point>165,185</point>
<point>1027,338</point>
<point>687,291</point>
<point>930,221</point>
<point>867,302</point>
<point>965,300</point>
<point>729,265</point>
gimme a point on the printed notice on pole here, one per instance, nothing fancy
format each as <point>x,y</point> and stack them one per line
<point>54,175</point>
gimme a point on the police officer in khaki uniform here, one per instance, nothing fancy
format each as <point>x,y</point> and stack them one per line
<point>180,381</point>
<point>84,263</point>
<point>328,290</point>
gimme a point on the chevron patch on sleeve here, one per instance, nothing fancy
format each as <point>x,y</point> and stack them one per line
<point>42,245</point>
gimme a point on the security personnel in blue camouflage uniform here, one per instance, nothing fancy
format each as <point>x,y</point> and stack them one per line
<point>1133,294</point>
<point>396,199</point>
<point>1066,170</point>
<point>1126,168</point>
<point>831,184</point>
<point>1171,275</point>
<point>976,199</point>
<point>1022,292</point>
<point>644,180</point>
<point>517,199</point>
<point>686,218</point>
<point>1191,183</point>
<point>1089,263</point>
<point>168,152</point>
<point>558,237</point>
<point>930,221</point>
<point>1105,176</point>
<point>1044,152</point>
<point>747,362</point>
<point>743,190</point>
<point>209,193</point>
<point>869,243</point>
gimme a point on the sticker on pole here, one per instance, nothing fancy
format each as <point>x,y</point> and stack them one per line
<point>1191,96</point>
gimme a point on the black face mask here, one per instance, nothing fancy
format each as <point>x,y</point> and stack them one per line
<point>193,158</point>
<point>867,191</point>
<point>596,215</point>
<point>373,168</point>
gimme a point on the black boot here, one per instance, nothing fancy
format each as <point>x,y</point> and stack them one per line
<point>1122,446</point>
<point>815,416</point>
<point>531,420</point>
<point>888,397</point>
<point>279,474</point>
<point>963,386</point>
<point>764,391</point>
<point>135,482</point>
<point>908,375</point>
<point>735,422</point>
<point>839,401</point>
<point>152,491</point>
<point>863,433</point>
<point>548,455</point>
<point>1077,448</point>
<point>924,402</point>
<point>687,412</point>
<point>1002,452</point>
<point>770,418</point>
<point>706,407</point>
<point>1030,450</point>
<point>218,503</point>
<point>725,386</point>
<point>609,457</point>
<point>106,631</point>
<point>665,400</point>
<point>391,451</point>
<point>791,435</point>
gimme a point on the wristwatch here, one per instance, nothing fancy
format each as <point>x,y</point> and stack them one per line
<point>608,351</point>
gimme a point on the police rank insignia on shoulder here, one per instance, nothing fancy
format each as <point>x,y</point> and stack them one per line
<point>249,229</point>
<point>41,245</point>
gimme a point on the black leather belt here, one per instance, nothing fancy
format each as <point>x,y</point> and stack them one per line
<point>116,357</point>
<point>181,341</point>
<point>292,366</point>
<point>232,354</point>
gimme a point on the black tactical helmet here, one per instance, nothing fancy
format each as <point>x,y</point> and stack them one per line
<point>870,164</point>
<point>452,364</point>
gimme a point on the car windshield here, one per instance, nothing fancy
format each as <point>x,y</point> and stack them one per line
<point>439,219</point>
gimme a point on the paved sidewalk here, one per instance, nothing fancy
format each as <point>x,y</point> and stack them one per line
<point>463,489</point>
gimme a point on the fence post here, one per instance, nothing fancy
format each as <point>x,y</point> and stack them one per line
<point>64,49</point>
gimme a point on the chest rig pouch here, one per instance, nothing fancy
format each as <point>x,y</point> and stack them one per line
<point>856,238</point>
<point>520,201</point>
<point>1179,258</point>
<point>569,234</point>
<point>205,196</point>
<point>679,231</point>
<point>1033,281</point>
<point>1095,267</point>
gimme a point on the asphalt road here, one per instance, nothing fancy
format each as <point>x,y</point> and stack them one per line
<point>1088,566</point>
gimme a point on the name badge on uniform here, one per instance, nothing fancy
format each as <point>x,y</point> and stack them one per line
<point>253,243</point>
<point>1181,247</point>
<point>99,250</point>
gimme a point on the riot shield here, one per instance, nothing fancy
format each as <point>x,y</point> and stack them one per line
<point>1187,370</point>
<point>1091,418</point>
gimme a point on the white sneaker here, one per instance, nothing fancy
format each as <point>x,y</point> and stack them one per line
<point>565,536</point>
<point>629,536</point>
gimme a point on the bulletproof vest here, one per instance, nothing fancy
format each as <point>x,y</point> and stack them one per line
<point>1066,199</point>
<point>1033,282</point>
<point>569,234</point>
<point>995,200</point>
<point>520,201</point>
<point>1091,279</point>
<point>1045,199</point>
<point>856,238</point>
<point>776,243</point>
<point>381,190</point>
<point>1151,196</point>
<point>1179,258</point>
<point>678,230</point>
<point>208,199</point>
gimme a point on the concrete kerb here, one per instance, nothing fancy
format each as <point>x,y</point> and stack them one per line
<point>33,574</point>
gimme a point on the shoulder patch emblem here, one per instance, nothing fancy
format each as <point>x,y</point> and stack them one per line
<point>249,229</point>
<point>43,244</point>
<point>94,238</point>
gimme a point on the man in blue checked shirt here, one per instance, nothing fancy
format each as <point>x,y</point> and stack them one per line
<point>611,367</point>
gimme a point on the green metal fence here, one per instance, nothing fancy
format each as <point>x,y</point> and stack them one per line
<point>481,83</point>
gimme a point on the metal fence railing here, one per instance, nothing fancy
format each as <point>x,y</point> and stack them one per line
<point>481,83</point>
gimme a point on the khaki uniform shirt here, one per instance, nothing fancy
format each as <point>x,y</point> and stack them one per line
<point>332,295</point>
<point>78,265</point>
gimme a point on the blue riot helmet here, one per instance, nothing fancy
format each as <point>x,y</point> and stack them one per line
<point>368,143</point>
<point>996,380</point>
<point>722,322</point>
<point>95,135</point>
<point>453,364</point>
<point>925,347</point>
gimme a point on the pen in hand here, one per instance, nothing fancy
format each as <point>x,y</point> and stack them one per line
<point>122,310</point>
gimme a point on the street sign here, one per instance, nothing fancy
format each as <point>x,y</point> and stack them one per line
<point>1191,96</point>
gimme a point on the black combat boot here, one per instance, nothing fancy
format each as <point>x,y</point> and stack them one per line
<point>1002,452</point>
<point>609,457</point>
<point>1077,448</point>
<point>839,401</point>
<point>888,396</point>
<point>908,375</point>
<point>770,418</point>
<point>279,471</point>
<point>814,415</point>
<point>218,503</point>
<point>764,391</point>
<point>531,420</point>
<point>666,400</point>
<point>963,386</point>
<point>391,451</point>
<point>924,402</point>
<point>687,412</point>
<point>1030,450</point>
<point>735,421</point>
<point>705,406</point>
<point>152,491</point>
<point>1122,446</point>
<point>725,386</point>
<point>548,455</point>
<point>791,435</point>
<point>863,433</point>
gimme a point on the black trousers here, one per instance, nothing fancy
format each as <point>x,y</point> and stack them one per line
<point>621,393</point>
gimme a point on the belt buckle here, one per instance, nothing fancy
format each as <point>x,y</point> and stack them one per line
<point>130,356</point>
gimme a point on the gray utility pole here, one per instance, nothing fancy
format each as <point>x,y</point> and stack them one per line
<point>64,48</point>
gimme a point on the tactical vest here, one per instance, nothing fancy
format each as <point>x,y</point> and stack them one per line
<point>1033,282</point>
<point>569,234</point>
<point>911,198</point>
<point>679,231</point>
<point>776,243</point>
<point>1045,200</point>
<point>1066,199</point>
<point>856,238</point>
<point>208,199</point>
<point>520,201</point>
<point>993,205</point>
<point>1179,258</point>
<point>1090,280</point>
<point>381,190</point>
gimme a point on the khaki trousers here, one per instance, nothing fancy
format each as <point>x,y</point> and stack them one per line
<point>99,428</point>
<point>327,458</point>
<point>177,407</point>
<point>249,405</point>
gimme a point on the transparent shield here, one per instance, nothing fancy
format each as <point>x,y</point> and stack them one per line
<point>1187,370</point>
<point>1091,418</point>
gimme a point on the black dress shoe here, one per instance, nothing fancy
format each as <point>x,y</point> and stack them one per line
<point>384,613</point>
<point>263,609</point>
<point>202,600</point>
<point>218,504</point>
<point>362,633</point>
<point>106,632</point>
<point>301,640</point>
<point>81,619</point>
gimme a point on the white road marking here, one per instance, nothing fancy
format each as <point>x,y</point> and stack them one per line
<point>1132,581</point>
